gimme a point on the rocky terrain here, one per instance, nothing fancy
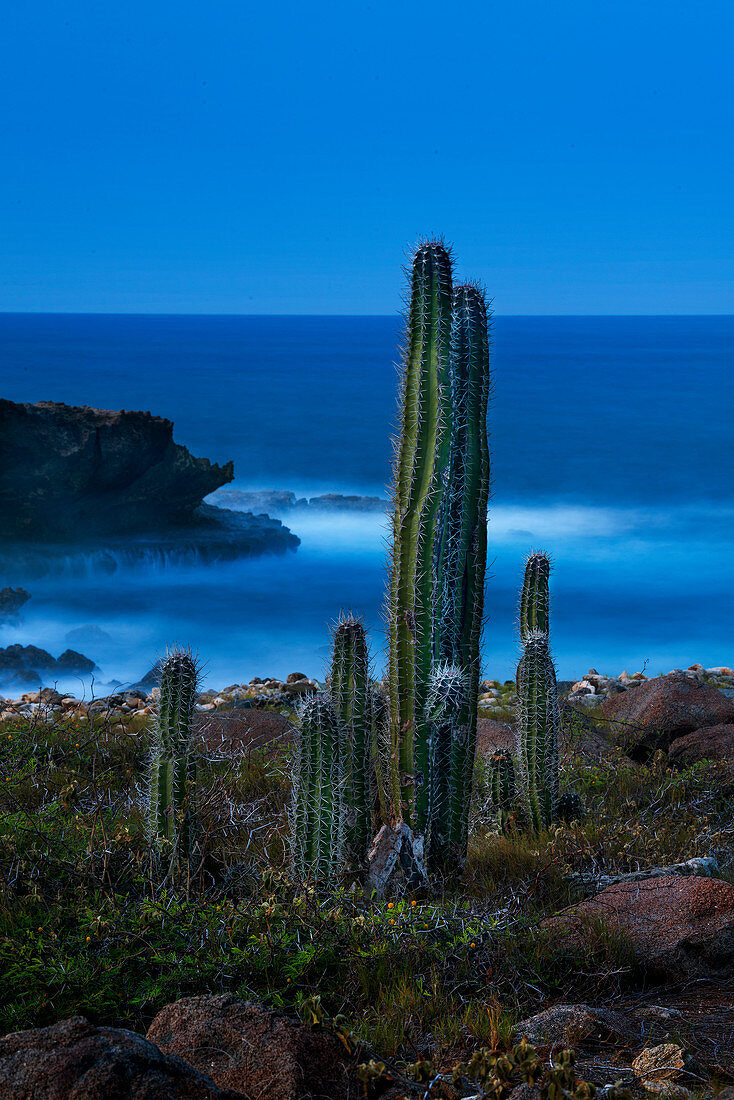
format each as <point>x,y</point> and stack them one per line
<point>613,935</point>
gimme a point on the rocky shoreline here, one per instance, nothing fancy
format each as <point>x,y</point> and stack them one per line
<point>495,697</point>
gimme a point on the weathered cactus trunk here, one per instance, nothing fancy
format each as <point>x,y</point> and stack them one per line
<point>421,460</point>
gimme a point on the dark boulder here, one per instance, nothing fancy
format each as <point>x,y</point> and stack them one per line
<point>71,661</point>
<point>11,601</point>
<point>73,1060</point>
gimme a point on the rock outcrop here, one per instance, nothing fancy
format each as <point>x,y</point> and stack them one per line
<point>69,472</point>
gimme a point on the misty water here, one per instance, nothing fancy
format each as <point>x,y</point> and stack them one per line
<point>611,450</point>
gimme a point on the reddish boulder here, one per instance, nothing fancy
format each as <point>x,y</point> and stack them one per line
<point>74,1060</point>
<point>657,712</point>
<point>709,743</point>
<point>259,1053</point>
<point>677,925</point>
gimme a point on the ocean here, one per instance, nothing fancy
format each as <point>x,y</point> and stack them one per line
<point>611,443</point>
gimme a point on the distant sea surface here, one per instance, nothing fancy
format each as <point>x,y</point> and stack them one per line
<point>611,441</point>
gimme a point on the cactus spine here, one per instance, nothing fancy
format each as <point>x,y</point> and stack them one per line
<point>172,821</point>
<point>460,553</point>
<point>421,458</point>
<point>351,697</point>
<point>539,716</point>
<point>316,811</point>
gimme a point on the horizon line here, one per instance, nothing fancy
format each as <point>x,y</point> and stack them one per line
<point>392,316</point>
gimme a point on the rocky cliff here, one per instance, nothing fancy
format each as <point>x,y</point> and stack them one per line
<point>69,472</point>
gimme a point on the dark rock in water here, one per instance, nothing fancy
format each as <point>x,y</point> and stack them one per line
<point>25,656</point>
<point>11,601</point>
<point>24,665</point>
<point>337,502</point>
<point>150,680</point>
<point>88,635</point>
<point>215,534</point>
<point>270,501</point>
<point>276,501</point>
<point>71,661</point>
<point>70,472</point>
<point>76,1059</point>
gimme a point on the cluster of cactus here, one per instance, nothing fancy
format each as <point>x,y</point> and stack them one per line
<point>172,822</point>
<point>441,488</point>
<point>337,778</point>
<point>420,741</point>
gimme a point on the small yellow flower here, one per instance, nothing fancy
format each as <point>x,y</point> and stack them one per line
<point>472,945</point>
<point>40,929</point>
<point>88,938</point>
<point>414,902</point>
<point>391,905</point>
<point>392,922</point>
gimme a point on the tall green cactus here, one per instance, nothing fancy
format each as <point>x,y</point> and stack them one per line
<point>171,816</point>
<point>420,463</point>
<point>539,727</point>
<point>352,700</point>
<point>460,551</point>
<point>535,598</point>
<point>316,815</point>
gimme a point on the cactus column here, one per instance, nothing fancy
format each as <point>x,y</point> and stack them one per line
<point>460,555</point>
<point>539,722</point>
<point>421,459</point>
<point>351,697</point>
<point>173,763</point>
<point>316,819</point>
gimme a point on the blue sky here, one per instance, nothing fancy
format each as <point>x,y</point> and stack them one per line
<point>228,157</point>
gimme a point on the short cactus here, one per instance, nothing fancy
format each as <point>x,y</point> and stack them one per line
<point>502,781</point>
<point>316,815</point>
<point>171,812</point>
<point>351,697</point>
<point>539,730</point>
